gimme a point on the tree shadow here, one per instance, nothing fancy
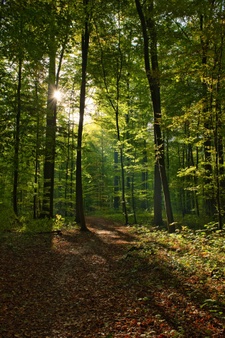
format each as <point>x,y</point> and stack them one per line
<point>130,281</point>
<point>27,268</point>
<point>89,284</point>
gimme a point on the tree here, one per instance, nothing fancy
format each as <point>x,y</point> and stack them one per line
<point>49,163</point>
<point>178,127</point>
<point>53,83</point>
<point>149,32</point>
<point>80,219</point>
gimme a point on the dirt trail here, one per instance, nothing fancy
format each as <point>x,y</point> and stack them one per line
<point>84,285</point>
<point>65,286</point>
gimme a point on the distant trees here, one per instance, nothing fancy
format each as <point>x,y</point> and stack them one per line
<point>118,139</point>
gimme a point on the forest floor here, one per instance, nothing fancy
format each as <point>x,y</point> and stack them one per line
<point>100,283</point>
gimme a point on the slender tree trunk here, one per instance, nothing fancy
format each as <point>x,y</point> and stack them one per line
<point>218,139</point>
<point>219,167</point>
<point>123,185</point>
<point>195,180</point>
<point>17,141</point>
<point>116,200</point>
<point>157,196</point>
<point>124,204</point>
<point>68,157</point>
<point>144,178</point>
<point>207,114</point>
<point>149,32</point>
<point>49,162</point>
<point>218,184</point>
<point>35,199</point>
<point>133,198</point>
<point>80,218</point>
<point>115,107</point>
<point>72,165</point>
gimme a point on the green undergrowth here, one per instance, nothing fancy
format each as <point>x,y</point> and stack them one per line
<point>41,225</point>
<point>9,223</point>
<point>198,252</point>
<point>192,256</point>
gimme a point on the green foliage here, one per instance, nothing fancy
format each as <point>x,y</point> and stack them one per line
<point>11,223</point>
<point>42,225</point>
<point>196,252</point>
<point>8,220</point>
<point>191,60</point>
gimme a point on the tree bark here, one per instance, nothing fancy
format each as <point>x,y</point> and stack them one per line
<point>17,141</point>
<point>157,196</point>
<point>149,33</point>
<point>49,161</point>
<point>50,145</point>
<point>207,115</point>
<point>116,199</point>
<point>37,150</point>
<point>80,218</point>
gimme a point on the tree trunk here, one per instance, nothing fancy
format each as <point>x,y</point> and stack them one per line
<point>144,179</point>
<point>124,204</point>
<point>149,33</point>
<point>207,115</point>
<point>49,161</point>
<point>37,149</point>
<point>218,137</point>
<point>50,145</point>
<point>80,218</point>
<point>116,200</point>
<point>157,196</point>
<point>115,107</point>
<point>17,141</point>
<point>219,165</point>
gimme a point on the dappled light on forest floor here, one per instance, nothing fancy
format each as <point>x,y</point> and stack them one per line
<point>108,282</point>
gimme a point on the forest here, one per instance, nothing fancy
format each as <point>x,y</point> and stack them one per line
<point>112,107</point>
<point>112,174</point>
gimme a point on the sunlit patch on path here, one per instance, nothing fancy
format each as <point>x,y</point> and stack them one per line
<point>97,284</point>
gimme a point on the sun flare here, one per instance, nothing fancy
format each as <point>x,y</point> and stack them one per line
<point>57,95</point>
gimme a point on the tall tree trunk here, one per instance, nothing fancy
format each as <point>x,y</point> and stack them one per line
<point>157,196</point>
<point>123,197</point>
<point>218,166</point>
<point>35,198</point>
<point>123,185</point>
<point>80,218</point>
<point>149,32</point>
<point>50,143</point>
<point>17,141</point>
<point>116,199</point>
<point>144,178</point>
<point>49,161</point>
<point>68,158</point>
<point>72,165</point>
<point>207,114</point>
<point>115,107</point>
<point>218,140</point>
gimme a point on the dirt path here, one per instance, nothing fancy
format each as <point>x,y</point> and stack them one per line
<point>87,285</point>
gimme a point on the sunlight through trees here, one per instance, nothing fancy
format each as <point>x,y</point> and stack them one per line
<point>136,88</point>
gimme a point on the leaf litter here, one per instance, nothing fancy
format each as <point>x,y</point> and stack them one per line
<point>102,283</point>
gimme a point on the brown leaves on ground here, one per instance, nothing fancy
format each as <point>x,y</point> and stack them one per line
<point>95,284</point>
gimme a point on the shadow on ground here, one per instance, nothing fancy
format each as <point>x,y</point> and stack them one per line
<point>97,284</point>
